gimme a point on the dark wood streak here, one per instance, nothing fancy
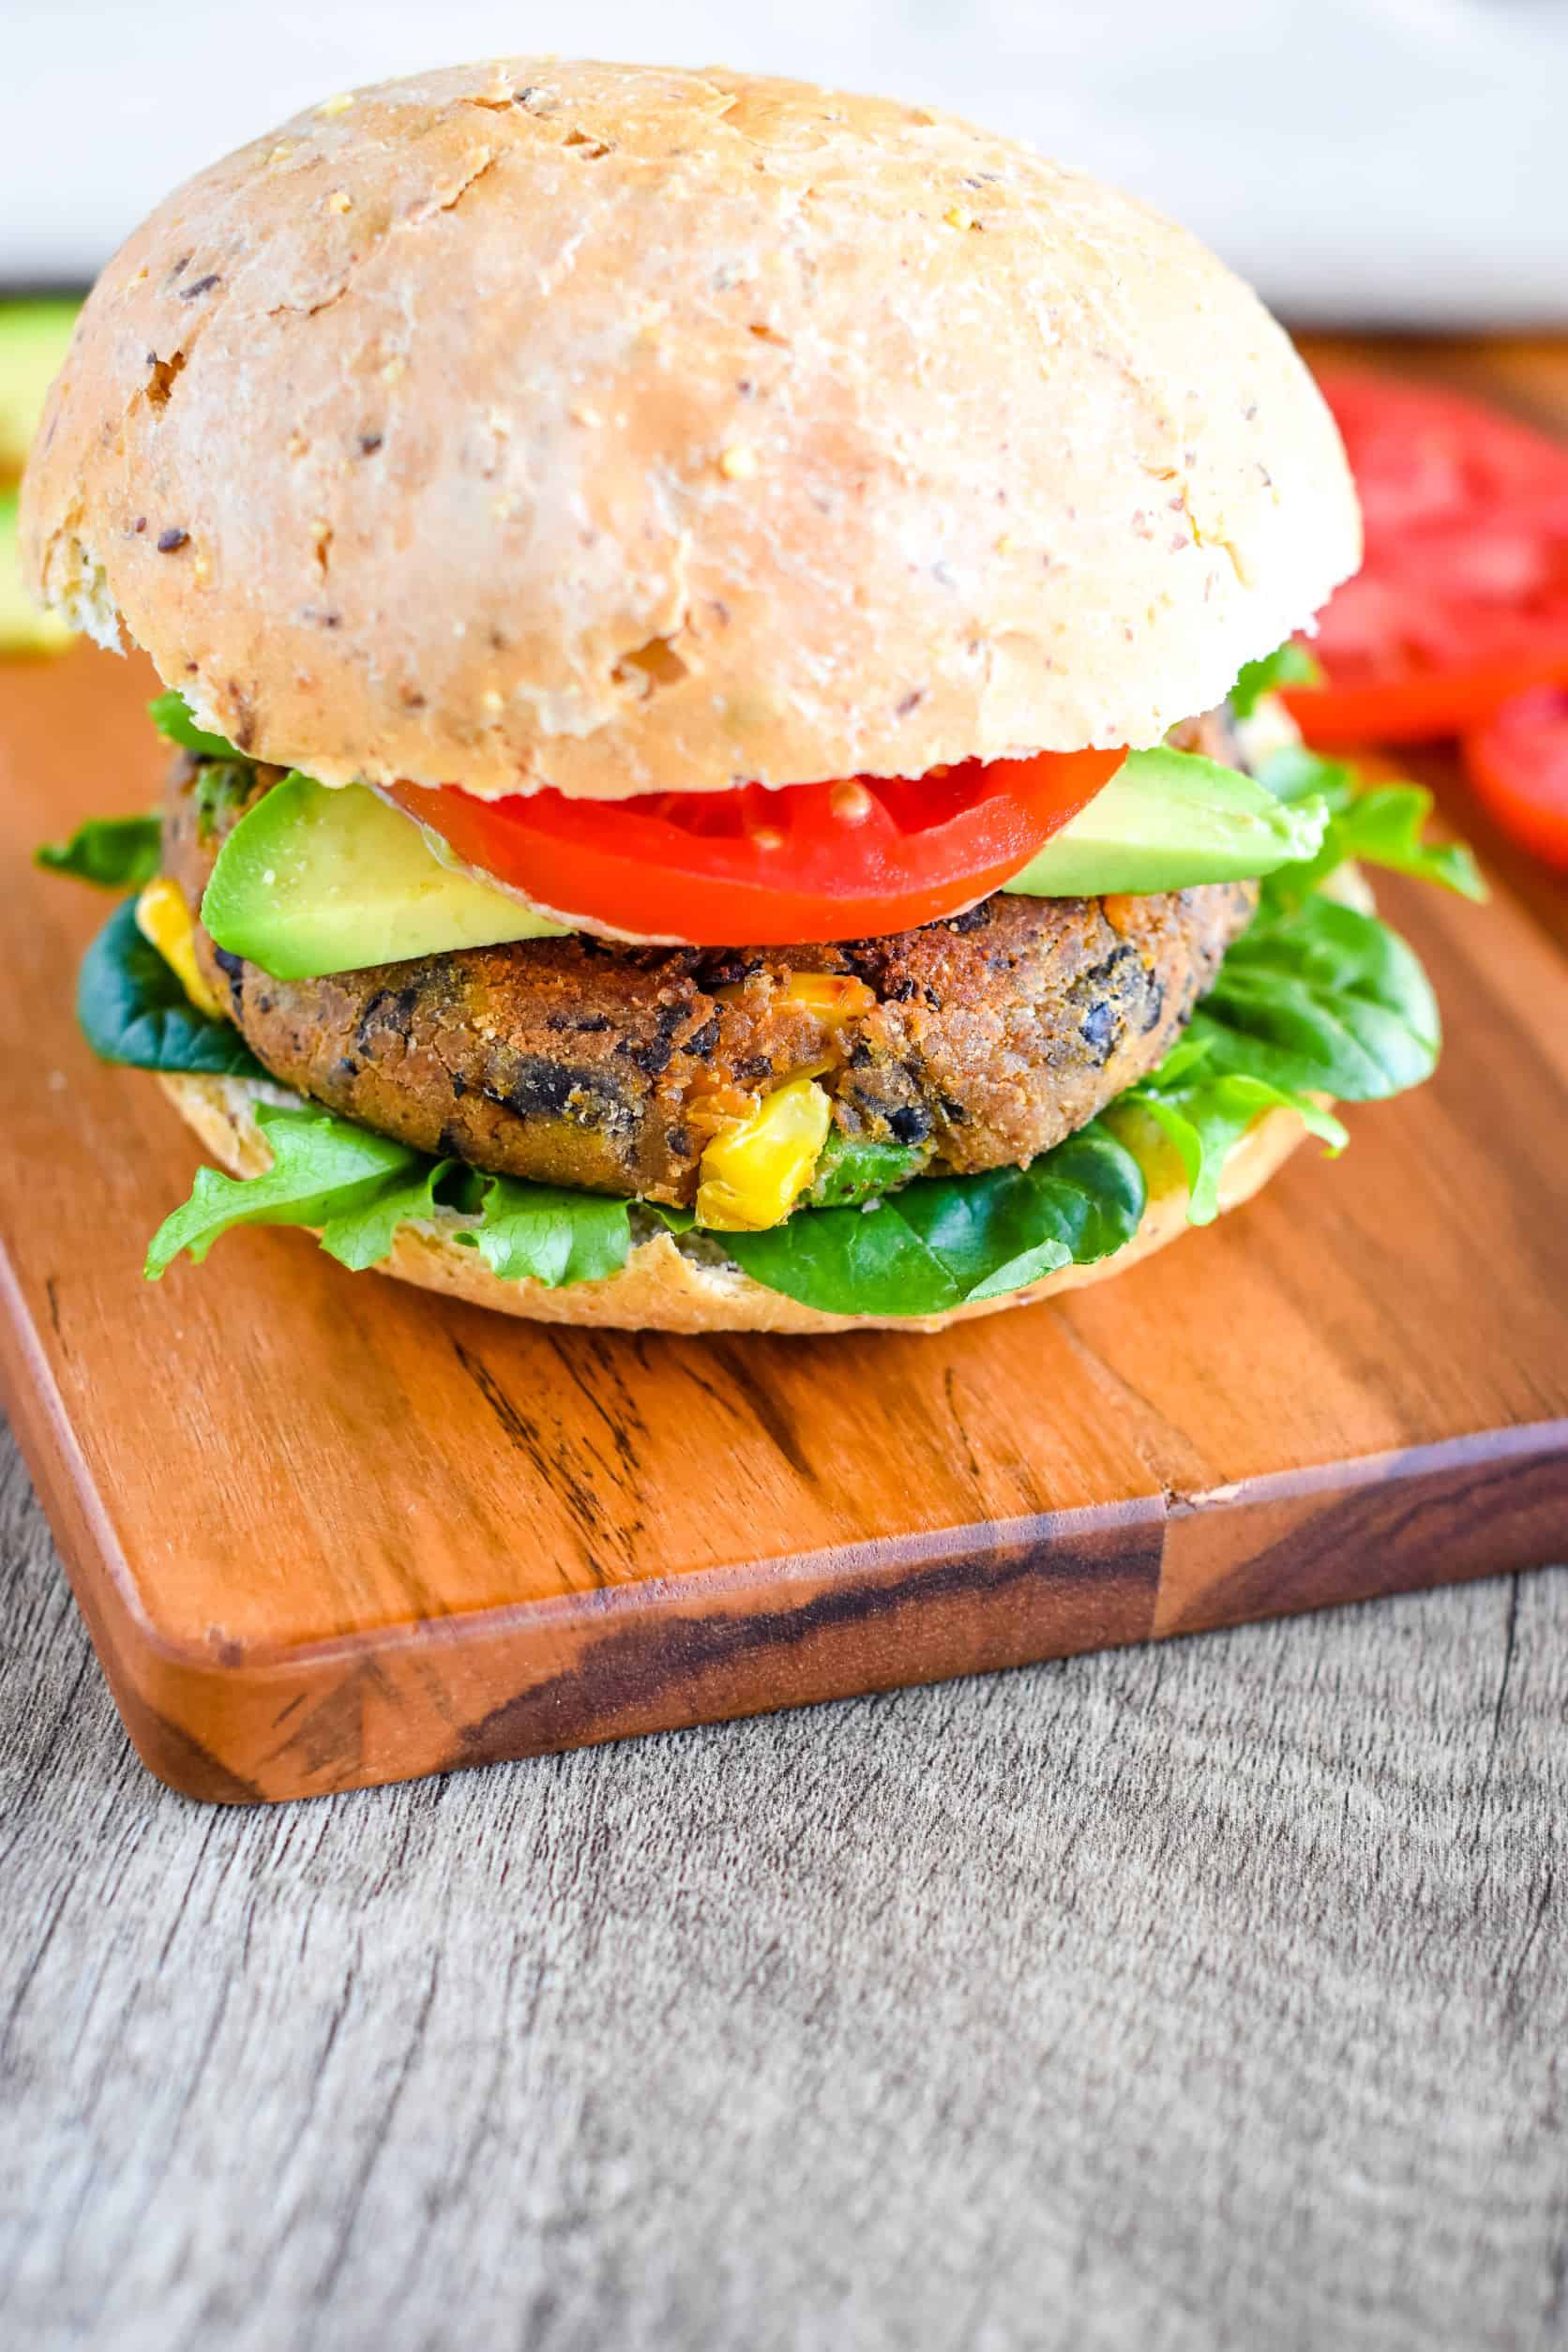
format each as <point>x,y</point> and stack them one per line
<point>1102,1581</point>
<point>950,1390</point>
<point>427,1600</point>
<point>514,1423</point>
<point>530,1441</point>
<point>1410,1526</point>
<point>326,1745</point>
<point>623,1427</point>
<point>176,1757</point>
<point>766,1403</point>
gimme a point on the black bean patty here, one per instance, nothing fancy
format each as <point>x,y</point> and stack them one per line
<point>983,1040</point>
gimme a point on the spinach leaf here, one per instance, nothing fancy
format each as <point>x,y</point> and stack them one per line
<point>1381,826</point>
<point>112,853</point>
<point>945,1241</point>
<point>1204,1115</point>
<point>1322,1000</point>
<point>1294,773</point>
<point>133,1008</point>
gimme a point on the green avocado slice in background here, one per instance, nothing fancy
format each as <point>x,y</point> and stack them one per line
<point>32,341</point>
<point>24,629</point>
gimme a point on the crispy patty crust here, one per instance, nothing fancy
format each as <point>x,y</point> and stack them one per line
<point>982,1040</point>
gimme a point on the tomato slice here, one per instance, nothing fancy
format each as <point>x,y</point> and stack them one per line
<point>1463,597</point>
<point>1518,764</point>
<point>755,866</point>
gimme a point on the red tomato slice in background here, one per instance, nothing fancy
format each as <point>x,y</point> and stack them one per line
<point>760,867</point>
<point>1463,598</point>
<point>1517,762</point>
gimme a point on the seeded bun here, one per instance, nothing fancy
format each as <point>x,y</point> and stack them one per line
<point>662,1287</point>
<point>613,427</point>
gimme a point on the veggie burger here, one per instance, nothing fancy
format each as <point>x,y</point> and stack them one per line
<point>719,647</point>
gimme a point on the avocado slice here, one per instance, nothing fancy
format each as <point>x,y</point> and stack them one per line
<point>1166,820</point>
<point>33,340</point>
<point>314,879</point>
<point>24,629</point>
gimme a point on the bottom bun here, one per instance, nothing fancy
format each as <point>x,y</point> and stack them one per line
<point>661,1288</point>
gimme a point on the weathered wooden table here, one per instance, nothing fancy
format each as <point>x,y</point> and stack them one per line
<point>1207,1995</point>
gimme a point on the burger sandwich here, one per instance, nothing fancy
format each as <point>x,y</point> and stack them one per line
<point>718,642</point>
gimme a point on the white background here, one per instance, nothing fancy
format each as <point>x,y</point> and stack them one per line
<point>1399,161</point>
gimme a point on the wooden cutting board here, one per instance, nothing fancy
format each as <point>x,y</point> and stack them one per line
<point>328,1531</point>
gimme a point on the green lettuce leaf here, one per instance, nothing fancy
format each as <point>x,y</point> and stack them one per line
<point>325,1171</point>
<point>133,1008</point>
<point>113,852</point>
<point>361,1235</point>
<point>942,1242</point>
<point>546,1233</point>
<point>1320,999</point>
<point>1288,665</point>
<point>359,1187</point>
<point>171,715</point>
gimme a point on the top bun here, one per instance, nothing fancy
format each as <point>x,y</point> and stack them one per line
<point>619,427</point>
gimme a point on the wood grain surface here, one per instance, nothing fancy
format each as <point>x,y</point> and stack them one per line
<point>1200,1997</point>
<point>328,1532</point>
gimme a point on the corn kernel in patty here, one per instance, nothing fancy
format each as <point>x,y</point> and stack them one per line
<point>753,1174</point>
